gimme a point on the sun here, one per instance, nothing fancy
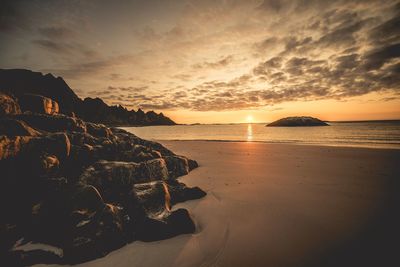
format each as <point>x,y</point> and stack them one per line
<point>249,119</point>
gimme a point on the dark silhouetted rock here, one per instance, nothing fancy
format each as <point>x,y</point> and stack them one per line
<point>52,123</point>
<point>297,121</point>
<point>8,105</point>
<point>85,188</point>
<point>38,104</point>
<point>24,84</point>
<point>12,127</point>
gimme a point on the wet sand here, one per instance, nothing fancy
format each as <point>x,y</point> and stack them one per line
<point>282,205</point>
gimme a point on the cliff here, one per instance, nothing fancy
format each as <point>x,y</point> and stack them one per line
<point>20,82</point>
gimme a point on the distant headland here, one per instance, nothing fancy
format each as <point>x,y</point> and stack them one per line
<point>21,82</point>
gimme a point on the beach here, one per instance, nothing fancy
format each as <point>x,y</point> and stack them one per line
<point>281,205</point>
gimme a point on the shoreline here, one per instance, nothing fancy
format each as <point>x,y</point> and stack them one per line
<point>278,143</point>
<point>281,205</point>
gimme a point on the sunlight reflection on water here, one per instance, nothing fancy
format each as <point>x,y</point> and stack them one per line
<point>363,134</point>
<point>249,132</point>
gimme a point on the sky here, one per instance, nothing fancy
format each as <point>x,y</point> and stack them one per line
<point>218,61</point>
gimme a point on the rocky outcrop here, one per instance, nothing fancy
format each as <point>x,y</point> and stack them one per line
<point>84,188</point>
<point>297,121</point>
<point>8,105</point>
<point>38,104</point>
<point>49,95</point>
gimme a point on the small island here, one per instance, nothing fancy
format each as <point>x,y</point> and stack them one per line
<point>297,122</point>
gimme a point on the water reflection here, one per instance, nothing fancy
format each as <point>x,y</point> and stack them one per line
<point>249,132</point>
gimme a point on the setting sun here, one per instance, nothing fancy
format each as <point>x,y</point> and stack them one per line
<point>249,119</point>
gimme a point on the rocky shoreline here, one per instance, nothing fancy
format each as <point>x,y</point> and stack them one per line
<point>83,187</point>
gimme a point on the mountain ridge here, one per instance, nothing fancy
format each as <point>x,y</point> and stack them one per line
<point>19,82</point>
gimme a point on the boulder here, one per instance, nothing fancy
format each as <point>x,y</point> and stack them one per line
<point>32,147</point>
<point>11,147</point>
<point>52,123</point>
<point>12,127</point>
<point>177,165</point>
<point>95,235</point>
<point>98,130</point>
<point>157,196</point>
<point>178,222</point>
<point>115,179</point>
<point>8,105</point>
<point>38,104</point>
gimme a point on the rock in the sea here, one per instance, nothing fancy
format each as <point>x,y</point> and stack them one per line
<point>38,104</point>
<point>297,121</point>
<point>8,105</point>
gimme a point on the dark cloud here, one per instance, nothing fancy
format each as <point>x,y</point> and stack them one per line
<point>377,57</point>
<point>293,43</point>
<point>388,31</point>
<point>65,48</point>
<point>217,64</point>
<point>343,35</point>
<point>55,32</point>
<point>275,5</point>
<point>12,18</point>
<point>266,44</point>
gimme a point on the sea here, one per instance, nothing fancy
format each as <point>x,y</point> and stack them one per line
<point>372,134</point>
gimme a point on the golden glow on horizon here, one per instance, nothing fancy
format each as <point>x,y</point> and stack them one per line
<point>359,108</point>
<point>249,119</point>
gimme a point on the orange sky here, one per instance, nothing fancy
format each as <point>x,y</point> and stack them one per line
<point>360,108</point>
<point>216,61</point>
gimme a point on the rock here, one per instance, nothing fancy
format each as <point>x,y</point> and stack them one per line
<point>30,147</point>
<point>192,164</point>
<point>154,197</point>
<point>115,180</point>
<point>98,130</point>
<point>12,127</point>
<point>83,187</point>
<point>55,144</point>
<point>53,123</point>
<point>178,222</point>
<point>297,121</point>
<point>86,197</point>
<point>18,258</point>
<point>38,104</point>
<point>158,196</point>
<point>10,147</point>
<point>177,165</point>
<point>8,236</point>
<point>96,235</point>
<point>8,105</point>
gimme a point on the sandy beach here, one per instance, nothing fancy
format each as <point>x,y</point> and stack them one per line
<point>282,205</point>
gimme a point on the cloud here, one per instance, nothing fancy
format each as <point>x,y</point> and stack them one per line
<point>210,55</point>
<point>377,57</point>
<point>65,48</point>
<point>216,64</point>
<point>56,32</point>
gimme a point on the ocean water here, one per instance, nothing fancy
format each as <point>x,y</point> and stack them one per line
<point>376,134</point>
